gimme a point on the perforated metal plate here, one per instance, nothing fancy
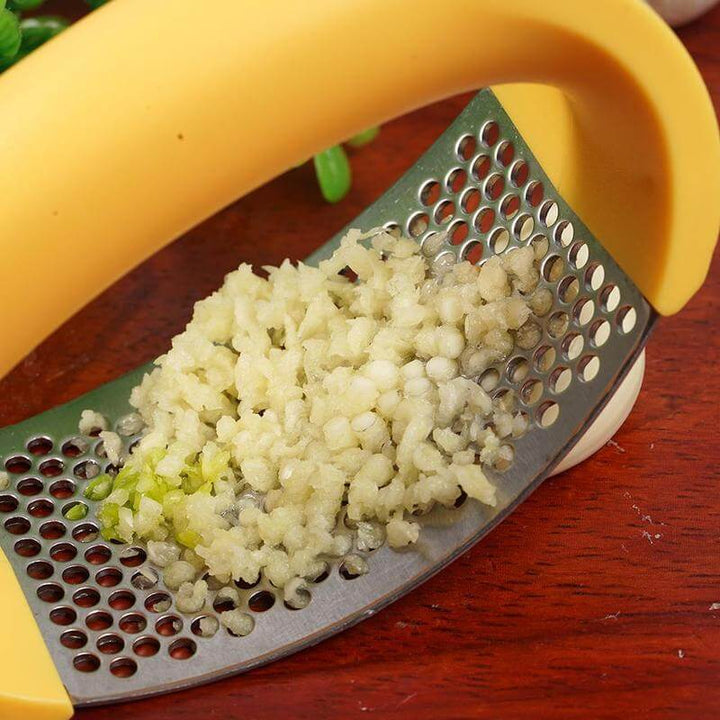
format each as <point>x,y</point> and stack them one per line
<point>113,630</point>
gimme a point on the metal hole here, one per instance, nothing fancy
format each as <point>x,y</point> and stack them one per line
<point>300,599</point>
<point>444,211</point>
<point>144,579</point>
<point>62,489</point>
<point>86,663</point>
<point>573,345</point>
<point>348,572</point>
<point>41,508</point>
<point>27,547</point>
<point>558,324</point>
<point>466,147</point>
<point>458,232</point>
<point>30,486</point>
<point>392,228</point>
<point>430,193</point>
<point>583,311</point>
<point>132,623</point>
<point>473,252</point>
<point>40,446</point>
<point>547,414</point>
<point>98,555</point>
<point>523,227</point>
<point>418,224</point>
<point>484,220</point>
<point>579,255</point>
<point>600,332</point>
<point>504,458</point>
<point>505,153</point>
<point>146,646</point>
<point>540,246</point>
<point>224,604</point>
<point>205,626</point>
<point>108,577</point>
<point>261,601</point>
<point>510,206</point>
<point>528,335</point>
<point>244,585</point>
<point>549,212</point>
<point>85,533</point>
<point>519,173</point>
<point>518,369</point>
<point>121,600</point>
<point>323,575</point>
<point>432,243</point>
<point>75,447</point>
<point>553,268</point>
<point>75,510</point>
<point>531,392</point>
<point>182,649</point>
<point>534,193</point>
<point>110,644</point>
<point>568,289</point>
<point>123,667</point>
<point>63,616</point>
<point>8,503</point>
<point>73,639</point>
<point>158,602</point>
<point>50,593</point>
<point>100,450</point>
<point>489,379</point>
<point>75,575</point>
<point>86,470</point>
<point>63,552</point>
<point>595,276</point>
<point>17,525</point>
<point>610,298</point>
<point>564,233</point>
<point>560,379</point>
<point>133,557</point>
<point>51,468</point>
<point>168,626</point>
<point>17,465</point>
<point>490,133</point>
<point>99,620</point>
<point>494,186</point>
<point>40,570</point>
<point>545,358</point>
<point>499,241</point>
<point>86,597</point>
<point>456,180</point>
<point>589,367</point>
<point>626,319</point>
<point>470,200</point>
<point>481,167</point>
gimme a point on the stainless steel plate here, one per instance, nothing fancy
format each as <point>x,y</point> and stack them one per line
<point>114,632</point>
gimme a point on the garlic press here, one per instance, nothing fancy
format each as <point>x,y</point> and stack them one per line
<point>596,144</point>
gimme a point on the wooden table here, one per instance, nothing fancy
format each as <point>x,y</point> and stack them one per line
<point>594,600</point>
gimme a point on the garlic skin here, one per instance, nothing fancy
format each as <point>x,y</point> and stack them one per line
<point>681,12</point>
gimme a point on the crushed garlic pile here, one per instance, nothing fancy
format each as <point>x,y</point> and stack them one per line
<point>303,413</point>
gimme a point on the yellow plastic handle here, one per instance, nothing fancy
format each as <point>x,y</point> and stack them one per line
<point>146,118</point>
<point>30,687</point>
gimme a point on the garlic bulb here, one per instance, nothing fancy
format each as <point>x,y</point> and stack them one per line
<point>680,12</point>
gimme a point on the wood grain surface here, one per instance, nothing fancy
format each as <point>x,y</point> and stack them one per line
<point>594,600</point>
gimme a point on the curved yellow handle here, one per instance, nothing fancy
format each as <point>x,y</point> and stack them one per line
<point>30,687</point>
<point>148,117</point>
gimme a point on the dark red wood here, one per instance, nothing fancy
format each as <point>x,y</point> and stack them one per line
<point>592,601</point>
